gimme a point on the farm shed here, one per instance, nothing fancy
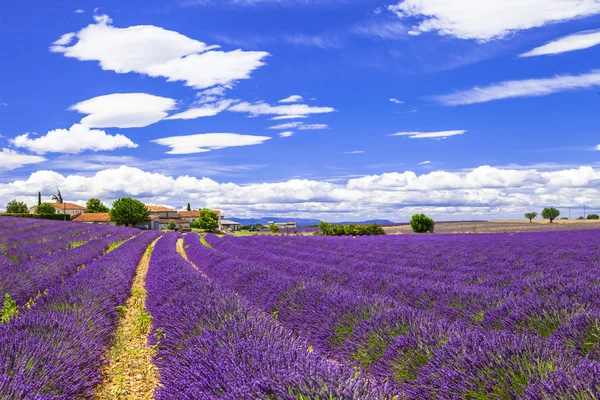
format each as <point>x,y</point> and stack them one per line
<point>232,225</point>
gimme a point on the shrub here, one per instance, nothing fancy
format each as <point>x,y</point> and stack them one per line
<point>274,228</point>
<point>550,213</point>
<point>531,216</point>
<point>593,216</point>
<point>171,226</point>
<point>350,230</point>
<point>45,209</point>
<point>420,223</point>
<point>17,207</point>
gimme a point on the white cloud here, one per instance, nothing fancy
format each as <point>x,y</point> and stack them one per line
<point>523,88</point>
<point>210,95</point>
<point>301,126</point>
<point>282,117</point>
<point>124,110</point>
<point>485,191</point>
<point>205,110</point>
<point>10,159</point>
<point>430,135</point>
<point>577,41</point>
<point>425,163</point>
<point>266,109</point>
<point>382,30</point>
<point>74,140</point>
<point>205,142</point>
<point>286,134</point>
<point>157,52</point>
<point>489,19</point>
<point>295,98</point>
<point>355,152</point>
<point>396,101</point>
<point>79,11</point>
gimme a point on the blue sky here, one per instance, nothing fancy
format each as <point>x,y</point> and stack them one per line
<point>494,106</point>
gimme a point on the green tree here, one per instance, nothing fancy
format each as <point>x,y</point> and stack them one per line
<point>127,211</point>
<point>531,216</point>
<point>209,220</point>
<point>420,223</point>
<point>325,228</point>
<point>45,209</point>
<point>94,206</point>
<point>550,213</point>
<point>171,226</point>
<point>274,228</point>
<point>17,207</point>
<point>189,207</point>
<point>39,198</point>
<point>593,216</point>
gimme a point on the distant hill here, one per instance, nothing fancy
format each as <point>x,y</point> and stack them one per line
<point>304,221</point>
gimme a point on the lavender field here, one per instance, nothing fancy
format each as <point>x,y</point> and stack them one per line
<point>499,316</point>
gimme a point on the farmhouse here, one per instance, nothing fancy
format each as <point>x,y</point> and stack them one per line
<point>284,225</point>
<point>232,225</point>
<point>93,218</point>
<point>63,208</point>
<point>164,215</point>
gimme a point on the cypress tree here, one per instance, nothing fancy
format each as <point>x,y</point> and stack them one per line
<point>189,207</point>
<point>39,198</point>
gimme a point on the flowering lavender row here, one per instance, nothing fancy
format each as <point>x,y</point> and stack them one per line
<point>31,252</point>
<point>212,345</point>
<point>488,316</point>
<point>48,232</point>
<point>56,350</point>
<point>26,280</point>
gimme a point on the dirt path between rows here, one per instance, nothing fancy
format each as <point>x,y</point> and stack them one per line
<point>130,373</point>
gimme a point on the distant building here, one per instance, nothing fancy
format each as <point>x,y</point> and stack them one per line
<point>284,225</point>
<point>190,216</point>
<point>231,225</point>
<point>63,208</point>
<point>93,218</point>
<point>161,216</point>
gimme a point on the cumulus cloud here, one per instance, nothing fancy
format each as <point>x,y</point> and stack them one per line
<point>124,110</point>
<point>577,41</point>
<point>204,110</point>
<point>266,109</point>
<point>301,126</point>
<point>205,142</point>
<point>522,88</point>
<point>10,159</point>
<point>157,52</point>
<point>286,134</point>
<point>489,19</point>
<point>74,140</point>
<point>430,135</point>
<point>295,98</point>
<point>485,191</point>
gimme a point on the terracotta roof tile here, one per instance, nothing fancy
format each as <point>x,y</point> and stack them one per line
<point>187,214</point>
<point>91,217</point>
<point>152,208</point>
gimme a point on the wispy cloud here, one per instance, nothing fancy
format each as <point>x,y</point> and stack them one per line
<point>430,135</point>
<point>300,126</point>
<point>286,134</point>
<point>425,163</point>
<point>381,29</point>
<point>355,152</point>
<point>205,142</point>
<point>262,108</point>
<point>295,98</point>
<point>522,88</point>
<point>577,41</point>
<point>396,101</point>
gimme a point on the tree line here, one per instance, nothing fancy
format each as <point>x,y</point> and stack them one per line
<point>551,213</point>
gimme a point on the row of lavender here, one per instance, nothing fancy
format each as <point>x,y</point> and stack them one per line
<point>41,271</point>
<point>55,349</point>
<point>437,317</point>
<point>213,345</point>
